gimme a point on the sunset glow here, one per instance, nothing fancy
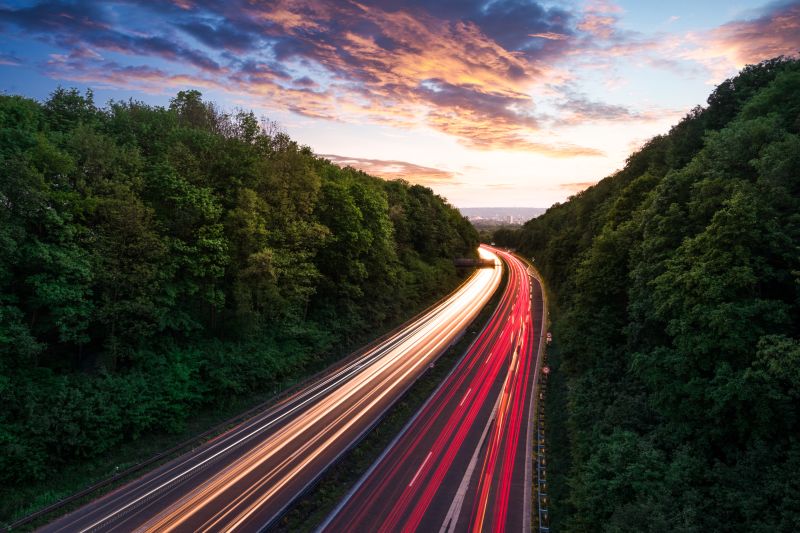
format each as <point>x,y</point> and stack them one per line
<point>490,103</point>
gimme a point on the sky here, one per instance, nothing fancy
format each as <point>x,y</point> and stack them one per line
<point>489,103</point>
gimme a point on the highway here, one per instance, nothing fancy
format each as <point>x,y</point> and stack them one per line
<point>462,464</point>
<point>246,478</point>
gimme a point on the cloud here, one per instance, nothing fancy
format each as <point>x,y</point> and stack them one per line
<point>304,81</point>
<point>601,42</point>
<point>410,68</point>
<point>10,60</point>
<point>552,36</point>
<point>603,6</point>
<point>600,19</point>
<point>599,26</point>
<point>577,186</point>
<point>81,25</point>
<point>466,69</point>
<point>474,70</point>
<point>578,108</point>
<point>114,75</point>
<point>389,169</point>
<point>776,31</point>
<point>510,23</point>
<point>58,18</point>
<point>224,35</point>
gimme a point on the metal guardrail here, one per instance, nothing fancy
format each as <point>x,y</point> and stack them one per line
<point>542,499</point>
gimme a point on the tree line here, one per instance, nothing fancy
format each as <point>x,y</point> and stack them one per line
<point>158,261</point>
<point>676,306</point>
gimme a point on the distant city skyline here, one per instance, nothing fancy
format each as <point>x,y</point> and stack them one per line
<point>506,215</point>
<point>487,102</point>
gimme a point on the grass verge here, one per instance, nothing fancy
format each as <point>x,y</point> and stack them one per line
<point>557,441</point>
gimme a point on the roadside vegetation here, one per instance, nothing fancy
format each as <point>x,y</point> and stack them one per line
<point>675,288</point>
<point>161,263</point>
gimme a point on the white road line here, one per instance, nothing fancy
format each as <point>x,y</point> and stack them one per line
<point>420,468</point>
<point>454,511</point>
<point>465,396</point>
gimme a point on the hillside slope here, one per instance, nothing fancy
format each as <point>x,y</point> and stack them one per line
<point>676,282</point>
<point>156,262</point>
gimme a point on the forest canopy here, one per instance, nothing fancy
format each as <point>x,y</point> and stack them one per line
<point>676,289</point>
<point>158,261</point>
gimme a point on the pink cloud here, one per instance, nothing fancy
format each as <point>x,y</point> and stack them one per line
<point>735,44</point>
<point>550,36</point>
<point>391,169</point>
<point>600,26</point>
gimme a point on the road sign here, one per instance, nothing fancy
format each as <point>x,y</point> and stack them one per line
<point>545,370</point>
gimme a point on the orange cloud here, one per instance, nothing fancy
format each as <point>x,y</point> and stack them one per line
<point>418,70</point>
<point>577,186</point>
<point>600,19</point>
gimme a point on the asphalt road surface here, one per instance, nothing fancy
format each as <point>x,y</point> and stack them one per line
<point>462,463</point>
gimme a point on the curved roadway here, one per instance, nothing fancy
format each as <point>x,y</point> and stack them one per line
<point>462,463</point>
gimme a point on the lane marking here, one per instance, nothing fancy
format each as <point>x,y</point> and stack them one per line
<point>420,468</point>
<point>451,519</point>
<point>465,396</point>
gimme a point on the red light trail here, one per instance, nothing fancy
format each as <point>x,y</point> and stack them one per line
<point>461,464</point>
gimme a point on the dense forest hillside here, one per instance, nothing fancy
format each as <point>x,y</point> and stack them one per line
<point>155,262</point>
<point>675,400</point>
